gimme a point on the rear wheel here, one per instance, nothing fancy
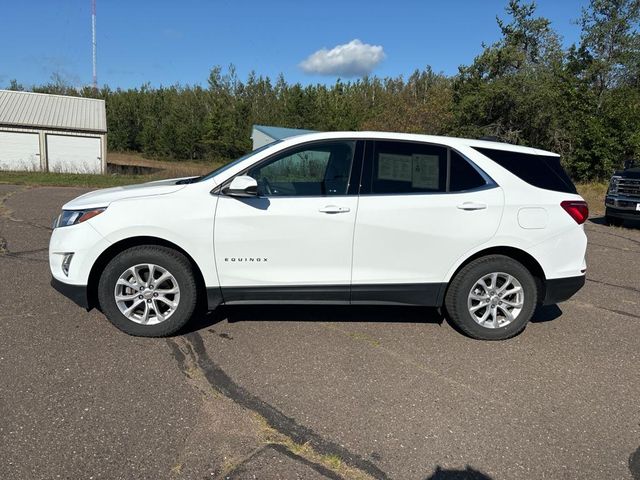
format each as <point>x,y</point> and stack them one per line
<point>148,291</point>
<point>492,298</point>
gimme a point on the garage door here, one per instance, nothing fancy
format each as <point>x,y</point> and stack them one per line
<point>19,151</point>
<point>73,154</point>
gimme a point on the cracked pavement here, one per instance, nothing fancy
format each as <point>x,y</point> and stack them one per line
<point>314,392</point>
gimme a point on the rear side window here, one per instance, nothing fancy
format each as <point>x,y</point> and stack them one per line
<point>538,170</point>
<point>400,167</point>
<point>405,167</point>
<point>463,176</point>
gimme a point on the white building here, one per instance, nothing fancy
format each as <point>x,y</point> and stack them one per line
<point>54,133</point>
<point>264,134</point>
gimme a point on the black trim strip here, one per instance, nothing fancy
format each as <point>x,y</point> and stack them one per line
<point>214,297</point>
<point>76,293</point>
<point>561,289</point>
<point>284,294</point>
<point>424,294</point>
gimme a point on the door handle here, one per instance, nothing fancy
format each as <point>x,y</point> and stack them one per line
<point>472,206</point>
<point>334,209</point>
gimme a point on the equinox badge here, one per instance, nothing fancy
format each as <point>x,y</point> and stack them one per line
<point>245,259</point>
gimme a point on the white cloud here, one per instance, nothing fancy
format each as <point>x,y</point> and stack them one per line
<point>352,59</point>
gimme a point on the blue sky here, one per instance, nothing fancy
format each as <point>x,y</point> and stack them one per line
<point>168,42</point>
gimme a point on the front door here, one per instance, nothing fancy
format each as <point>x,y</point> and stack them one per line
<point>292,242</point>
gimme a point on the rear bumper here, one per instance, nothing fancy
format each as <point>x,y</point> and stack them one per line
<point>561,289</point>
<point>76,293</point>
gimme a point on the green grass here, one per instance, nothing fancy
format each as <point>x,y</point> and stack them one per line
<point>72,180</point>
<point>594,193</point>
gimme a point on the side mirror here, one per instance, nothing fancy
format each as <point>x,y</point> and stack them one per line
<point>242,186</point>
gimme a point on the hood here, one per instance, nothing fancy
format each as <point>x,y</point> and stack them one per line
<point>629,173</point>
<point>102,198</point>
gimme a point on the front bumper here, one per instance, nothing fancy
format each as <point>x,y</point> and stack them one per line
<point>626,214</point>
<point>622,207</point>
<point>77,293</point>
<point>84,242</point>
<point>561,289</point>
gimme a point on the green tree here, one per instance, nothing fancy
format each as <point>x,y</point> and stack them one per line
<point>511,89</point>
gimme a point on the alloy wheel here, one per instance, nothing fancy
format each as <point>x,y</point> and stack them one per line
<point>147,294</point>
<point>495,300</point>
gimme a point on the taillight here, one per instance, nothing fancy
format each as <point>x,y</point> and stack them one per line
<point>578,209</point>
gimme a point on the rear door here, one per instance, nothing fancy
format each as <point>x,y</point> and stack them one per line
<point>422,207</point>
<point>293,242</point>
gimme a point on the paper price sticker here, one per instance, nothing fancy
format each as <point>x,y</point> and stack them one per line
<point>426,171</point>
<point>394,167</point>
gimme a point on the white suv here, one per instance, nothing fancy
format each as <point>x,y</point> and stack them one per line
<point>484,229</point>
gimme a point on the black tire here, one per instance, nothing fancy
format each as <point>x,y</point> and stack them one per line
<point>171,260</point>
<point>456,300</point>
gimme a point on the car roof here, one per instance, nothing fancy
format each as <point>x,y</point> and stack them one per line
<point>453,142</point>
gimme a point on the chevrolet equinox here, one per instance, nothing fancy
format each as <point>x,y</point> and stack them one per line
<point>485,230</point>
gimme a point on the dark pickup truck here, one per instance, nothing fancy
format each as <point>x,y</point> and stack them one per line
<point>623,196</point>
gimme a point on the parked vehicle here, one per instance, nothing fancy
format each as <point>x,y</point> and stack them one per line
<point>486,230</point>
<point>623,195</point>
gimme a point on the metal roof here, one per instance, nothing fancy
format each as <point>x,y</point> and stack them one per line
<point>27,109</point>
<point>278,133</point>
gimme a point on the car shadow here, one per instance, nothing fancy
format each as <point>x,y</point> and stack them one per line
<point>546,313</point>
<point>634,224</point>
<point>335,313</point>
<point>468,473</point>
<point>314,313</point>
<point>598,220</point>
<point>634,464</point>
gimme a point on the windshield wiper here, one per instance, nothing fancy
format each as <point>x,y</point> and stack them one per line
<point>184,181</point>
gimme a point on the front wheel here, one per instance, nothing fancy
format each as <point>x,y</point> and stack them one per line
<point>492,298</point>
<point>148,291</point>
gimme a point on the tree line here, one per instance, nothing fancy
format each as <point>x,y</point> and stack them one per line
<point>582,101</point>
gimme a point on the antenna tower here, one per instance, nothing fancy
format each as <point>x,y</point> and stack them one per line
<point>93,43</point>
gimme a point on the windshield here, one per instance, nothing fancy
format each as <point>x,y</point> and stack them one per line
<point>235,162</point>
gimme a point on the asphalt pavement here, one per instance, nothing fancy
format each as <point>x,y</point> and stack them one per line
<point>314,392</point>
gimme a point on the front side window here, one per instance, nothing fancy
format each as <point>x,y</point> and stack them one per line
<point>312,170</point>
<point>405,167</point>
<point>233,163</point>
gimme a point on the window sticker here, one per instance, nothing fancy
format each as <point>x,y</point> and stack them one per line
<point>425,171</point>
<point>394,167</point>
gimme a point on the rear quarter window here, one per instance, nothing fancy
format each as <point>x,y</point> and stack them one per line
<point>462,176</point>
<point>541,171</point>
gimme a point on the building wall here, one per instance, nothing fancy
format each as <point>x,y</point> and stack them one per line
<point>57,151</point>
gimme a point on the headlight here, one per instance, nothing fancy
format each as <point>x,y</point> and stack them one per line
<point>72,217</point>
<point>613,185</point>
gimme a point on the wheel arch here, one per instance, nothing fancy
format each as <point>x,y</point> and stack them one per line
<point>122,245</point>
<point>526,259</point>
